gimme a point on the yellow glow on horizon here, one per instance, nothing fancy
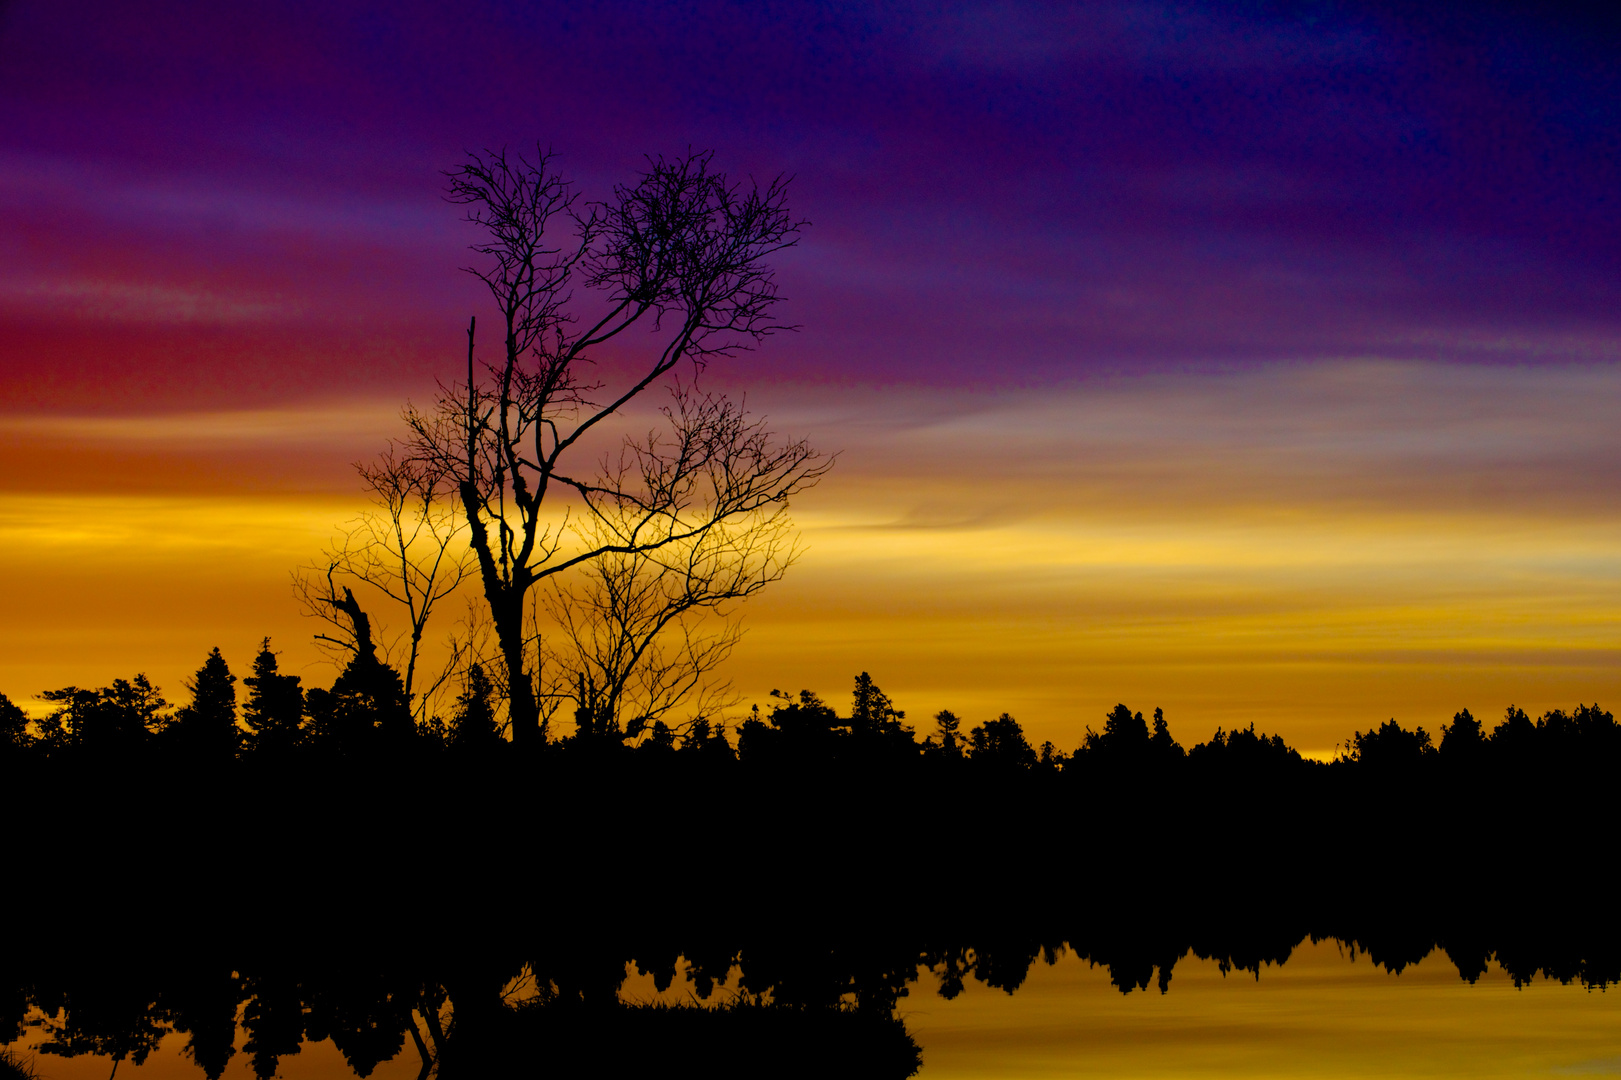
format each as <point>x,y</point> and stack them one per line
<point>102,586</point>
<point>1309,627</point>
<point>1313,548</point>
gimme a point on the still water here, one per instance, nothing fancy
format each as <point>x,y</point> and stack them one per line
<point>1326,1011</point>
<point>1320,1014</point>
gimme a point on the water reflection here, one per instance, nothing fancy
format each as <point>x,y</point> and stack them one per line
<point>1319,1014</point>
<point>1109,996</point>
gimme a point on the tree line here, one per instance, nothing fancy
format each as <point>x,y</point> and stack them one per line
<point>366,715</point>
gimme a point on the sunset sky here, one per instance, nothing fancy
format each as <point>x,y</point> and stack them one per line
<point>1253,360</point>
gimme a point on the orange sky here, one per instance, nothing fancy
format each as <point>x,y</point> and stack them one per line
<point>1315,548</point>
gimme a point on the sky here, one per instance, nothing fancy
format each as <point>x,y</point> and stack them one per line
<point>1254,360</point>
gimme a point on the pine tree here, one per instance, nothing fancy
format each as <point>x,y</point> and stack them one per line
<point>871,712</point>
<point>275,706</point>
<point>946,724</point>
<point>1001,741</point>
<point>473,722</point>
<point>13,726</point>
<point>207,726</point>
<point>365,710</point>
<point>1164,745</point>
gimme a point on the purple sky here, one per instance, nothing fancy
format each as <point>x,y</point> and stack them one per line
<point>205,204</point>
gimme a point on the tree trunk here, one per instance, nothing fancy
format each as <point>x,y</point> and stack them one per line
<point>523,708</point>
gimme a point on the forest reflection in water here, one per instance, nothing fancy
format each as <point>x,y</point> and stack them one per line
<point>1320,1014</point>
<point>1261,1004</point>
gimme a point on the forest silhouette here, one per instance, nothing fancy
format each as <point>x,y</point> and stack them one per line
<point>303,768</point>
<point>363,725</point>
<point>311,863</point>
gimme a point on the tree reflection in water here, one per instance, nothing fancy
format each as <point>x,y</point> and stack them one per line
<point>758,998</point>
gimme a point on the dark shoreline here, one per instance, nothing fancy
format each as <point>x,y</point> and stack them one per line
<point>360,883</point>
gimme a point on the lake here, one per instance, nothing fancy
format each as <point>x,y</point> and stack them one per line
<point>1328,1009</point>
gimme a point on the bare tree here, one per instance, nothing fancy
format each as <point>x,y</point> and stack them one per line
<point>643,633</point>
<point>680,257</point>
<point>409,553</point>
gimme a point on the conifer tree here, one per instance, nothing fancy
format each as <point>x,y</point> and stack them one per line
<point>115,719</point>
<point>1164,745</point>
<point>275,705</point>
<point>871,711</point>
<point>1463,738</point>
<point>13,726</point>
<point>473,723</point>
<point>365,709</point>
<point>946,724</point>
<point>208,725</point>
<point>1002,742</point>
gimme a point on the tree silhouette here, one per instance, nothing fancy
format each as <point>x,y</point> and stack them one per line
<point>274,713</point>
<point>1165,747</point>
<point>406,552</point>
<point>13,726</point>
<point>1598,733</point>
<point>206,728</point>
<point>366,710</point>
<point>1462,741</point>
<point>1245,755</point>
<point>705,740</point>
<point>1391,747</point>
<point>799,730</point>
<point>946,725</point>
<point>1516,737</point>
<point>1124,735</point>
<point>872,713</point>
<point>648,629</point>
<point>113,720</point>
<point>473,723</point>
<point>1001,742</point>
<point>681,254</point>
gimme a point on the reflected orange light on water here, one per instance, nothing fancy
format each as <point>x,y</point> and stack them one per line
<point>1319,1014</point>
<point>314,1061</point>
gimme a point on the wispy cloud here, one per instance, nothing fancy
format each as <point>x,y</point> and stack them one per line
<point>337,426</point>
<point>143,302</point>
<point>1355,437</point>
